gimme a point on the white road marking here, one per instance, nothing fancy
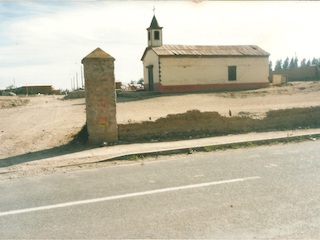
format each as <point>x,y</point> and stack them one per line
<point>95,200</point>
<point>271,165</point>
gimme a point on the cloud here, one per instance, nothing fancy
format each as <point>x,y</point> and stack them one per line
<point>44,42</point>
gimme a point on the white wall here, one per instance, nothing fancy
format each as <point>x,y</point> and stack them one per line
<point>191,71</point>
<point>151,59</point>
<point>152,42</point>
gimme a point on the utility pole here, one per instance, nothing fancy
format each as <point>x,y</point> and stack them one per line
<point>77,80</point>
<point>81,71</point>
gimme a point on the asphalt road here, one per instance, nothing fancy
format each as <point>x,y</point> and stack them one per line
<point>254,193</point>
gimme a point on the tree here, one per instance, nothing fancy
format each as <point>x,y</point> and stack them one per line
<point>140,81</point>
<point>10,87</point>
<point>303,63</point>
<point>296,62</point>
<point>292,64</point>
<point>278,65</point>
<point>286,63</point>
<point>309,63</point>
<point>315,61</point>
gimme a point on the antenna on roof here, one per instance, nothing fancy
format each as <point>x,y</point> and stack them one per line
<point>154,10</point>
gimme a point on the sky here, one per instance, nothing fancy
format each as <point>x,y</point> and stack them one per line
<point>43,42</point>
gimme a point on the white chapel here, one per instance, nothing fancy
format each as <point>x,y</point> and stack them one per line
<point>185,68</point>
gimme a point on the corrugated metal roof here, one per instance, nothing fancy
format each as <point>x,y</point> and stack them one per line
<point>188,50</point>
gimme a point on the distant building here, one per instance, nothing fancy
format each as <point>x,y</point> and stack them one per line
<point>45,89</point>
<point>279,79</point>
<point>183,68</point>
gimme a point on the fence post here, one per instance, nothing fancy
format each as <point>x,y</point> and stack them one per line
<point>100,97</point>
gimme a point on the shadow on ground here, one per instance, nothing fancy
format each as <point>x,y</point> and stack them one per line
<point>79,143</point>
<point>41,155</point>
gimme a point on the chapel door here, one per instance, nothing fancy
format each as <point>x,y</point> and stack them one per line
<point>150,78</point>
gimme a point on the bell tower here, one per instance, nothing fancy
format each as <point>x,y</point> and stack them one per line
<point>154,33</point>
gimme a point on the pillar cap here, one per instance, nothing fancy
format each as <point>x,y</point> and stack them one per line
<point>98,53</point>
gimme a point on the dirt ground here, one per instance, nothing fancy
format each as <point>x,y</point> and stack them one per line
<point>256,102</point>
<point>38,123</point>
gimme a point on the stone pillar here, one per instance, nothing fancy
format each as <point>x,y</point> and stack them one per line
<point>100,97</point>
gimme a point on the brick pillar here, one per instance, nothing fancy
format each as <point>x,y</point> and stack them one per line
<point>100,97</point>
